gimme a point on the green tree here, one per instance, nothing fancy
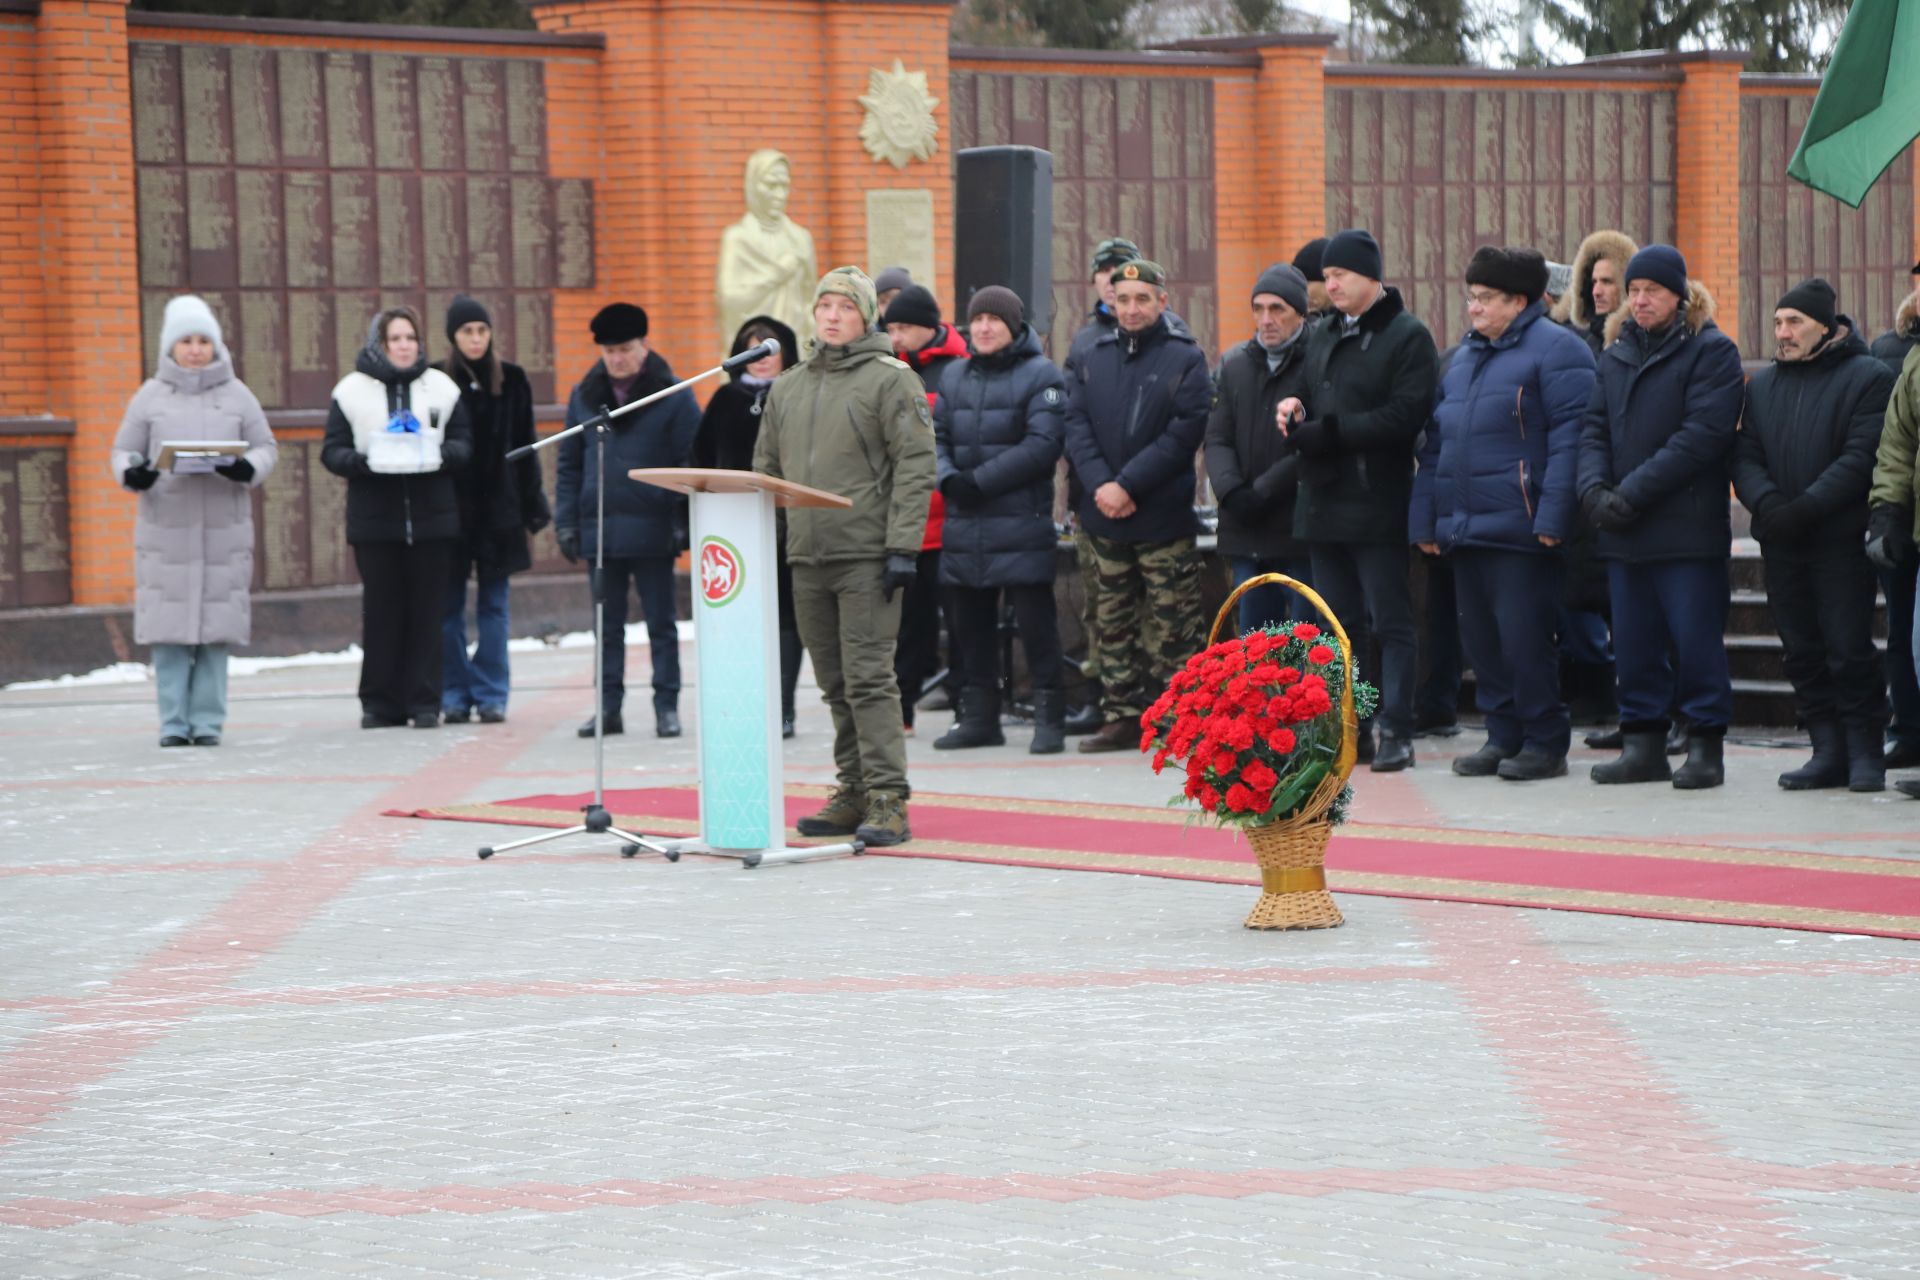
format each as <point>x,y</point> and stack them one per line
<point>420,13</point>
<point>1258,16</point>
<point>1780,35</point>
<point>1429,32</point>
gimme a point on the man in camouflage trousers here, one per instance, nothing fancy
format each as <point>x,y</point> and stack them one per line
<point>1136,410</point>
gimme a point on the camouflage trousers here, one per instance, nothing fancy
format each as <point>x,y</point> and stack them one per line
<point>1147,612</point>
<point>1089,625</point>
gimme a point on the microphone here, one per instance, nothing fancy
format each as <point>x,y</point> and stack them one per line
<point>752,355</point>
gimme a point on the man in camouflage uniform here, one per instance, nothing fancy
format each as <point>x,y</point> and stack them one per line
<point>1136,411</point>
<point>853,420</point>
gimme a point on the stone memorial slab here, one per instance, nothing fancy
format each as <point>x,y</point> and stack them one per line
<point>308,230</point>
<point>397,205</point>
<point>260,345</point>
<point>573,233</point>
<point>489,231</point>
<point>41,500</point>
<point>312,350</point>
<point>329,557</point>
<point>396,123</point>
<point>303,115</point>
<point>349,110</point>
<point>354,229</point>
<point>443,218</point>
<point>283,542</point>
<point>900,230</point>
<point>256,106</point>
<point>483,114</point>
<point>442,138</point>
<point>213,246</point>
<point>155,72</point>
<point>160,197</point>
<point>261,229</point>
<point>532,233</point>
<point>526,116</point>
<point>203,100</point>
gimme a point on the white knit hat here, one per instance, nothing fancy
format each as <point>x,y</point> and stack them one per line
<point>185,316</point>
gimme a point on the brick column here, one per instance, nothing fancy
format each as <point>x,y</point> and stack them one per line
<point>1707,177</point>
<point>90,272</point>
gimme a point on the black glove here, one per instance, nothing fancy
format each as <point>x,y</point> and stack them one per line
<point>963,490</point>
<point>1764,515</point>
<point>569,540</point>
<point>139,477</point>
<point>1243,504</point>
<point>238,470</point>
<point>1607,509</point>
<point>362,465</point>
<point>538,521</point>
<point>1316,437</point>
<point>1791,518</point>
<point>1889,536</point>
<point>900,573</point>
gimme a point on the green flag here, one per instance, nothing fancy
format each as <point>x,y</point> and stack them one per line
<point>1868,107</point>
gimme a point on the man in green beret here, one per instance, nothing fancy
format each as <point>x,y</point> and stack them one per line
<point>853,420</point>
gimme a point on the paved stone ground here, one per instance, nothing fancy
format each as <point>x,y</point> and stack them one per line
<point>250,1027</point>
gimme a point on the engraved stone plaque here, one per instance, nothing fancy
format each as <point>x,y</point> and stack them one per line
<point>396,135</point>
<point>533,341</point>
<point>256,109</point>
<point>280,523</point>
<point>309,231</point>
<point>900,231</point>
<point>532,233</point>
<point>398,206</point>
<point>352,313</point>
<point>354,229</point>
<point>349,110</point>
<point>261,349</point>
<point>442,141</point>
<point>312,351</point>
<point>573,233</point>
<point>326,522</point>
<point>443,216</point>
<point>213,257</point>
<point>489,216</point>
<point>43,525</point>
<point>257,199</point>
<point>483,108</point>
<point>303,117</point>
<point>155,70</point>
<point>205,115</point>
<point>10,532</point>
<point>526,116</point>
<point>161,201</point>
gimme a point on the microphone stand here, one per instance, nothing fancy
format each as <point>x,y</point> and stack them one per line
<point>595,819</point>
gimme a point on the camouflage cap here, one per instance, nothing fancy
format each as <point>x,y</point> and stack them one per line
<point>1142,270</point>
<point>1111,253</point>
<point>853,283</point>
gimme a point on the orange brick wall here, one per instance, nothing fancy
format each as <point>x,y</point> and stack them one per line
<point>91,320</point>
<point>1242,215</point>
<point>1707,180</point>
<point>23,355</point>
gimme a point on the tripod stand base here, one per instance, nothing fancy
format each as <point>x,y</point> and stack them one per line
<point>597,823</point>
<point>751,858</point>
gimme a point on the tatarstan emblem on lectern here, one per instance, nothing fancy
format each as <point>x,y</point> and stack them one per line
<point>721,571</point>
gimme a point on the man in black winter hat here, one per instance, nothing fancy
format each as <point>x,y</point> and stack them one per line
<point>1802,464</point>
<point>1370,374</point>
<point>641,520</point>
<point>1307,263</point>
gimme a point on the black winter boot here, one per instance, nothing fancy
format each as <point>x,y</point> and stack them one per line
<point>1828,767</point>
<point>1866,758</point>
<point>977,725</point>
<point>1086,719</point>
<point>1643,756</point>
<point>1706,761</point>
<point>1049,723</point>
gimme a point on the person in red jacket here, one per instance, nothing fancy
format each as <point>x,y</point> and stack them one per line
<point>928,345</point>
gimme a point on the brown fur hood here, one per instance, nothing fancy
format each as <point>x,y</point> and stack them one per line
<point>1906,321</point>
<point>1699,311</point>
<point>1572,309</point>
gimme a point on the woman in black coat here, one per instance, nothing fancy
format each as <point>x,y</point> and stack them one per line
<point>501,503</point>
<point>999,427</point>
<point>725,440</point>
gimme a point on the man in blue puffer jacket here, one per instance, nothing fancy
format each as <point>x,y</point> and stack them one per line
<point>1494,494</point>
<point>1654,473</point>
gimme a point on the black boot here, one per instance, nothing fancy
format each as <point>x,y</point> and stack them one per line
<point>1866,758</point>
<point>1605,739</point>
<point>1049,723</point>
<point>1643,756</point>
<point>1086,720</point>
<point>1706,764</point>
<point>978,724</point>
<point>1828,768</point>
<point>1677,737</point>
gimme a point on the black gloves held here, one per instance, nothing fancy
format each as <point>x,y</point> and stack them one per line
<point>1607,509</point>
<point>569,540</point>
<point>1889,536</point>
<point>238,470</point>
<point>538,521</point>
<point>1243,504</point>
<point>963,490</point>
<point>1316,437</point>
<point>899,574</point>
<point>139,477</point>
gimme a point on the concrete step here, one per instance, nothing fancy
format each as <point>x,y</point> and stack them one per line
<point>1750,615</point>
<point>1763,657</point>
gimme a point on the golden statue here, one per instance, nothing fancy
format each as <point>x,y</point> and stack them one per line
<point>766,258</point>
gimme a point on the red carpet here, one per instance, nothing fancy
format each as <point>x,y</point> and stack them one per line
<point>1793,890</point>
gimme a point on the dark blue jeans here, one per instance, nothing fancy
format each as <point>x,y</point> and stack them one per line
<point>1509,601</point>
<point>1273,604</point>
<point>1669,641</point>
<point>480,680</point>
<point>652,578</point>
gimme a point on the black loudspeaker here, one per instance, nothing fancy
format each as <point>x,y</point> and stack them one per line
<point>1003,228</point>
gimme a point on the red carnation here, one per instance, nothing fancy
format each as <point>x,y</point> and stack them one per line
<point>1282,740</point>
<point>1319,655</point>
<point>1306,631</point>
<point>1239,799</point>
<point>1286,675</point>
<point>1258,776</point>
<point>1207,796</point>
<point>1238,735</point>
<point>1223,762</point>
<point>1159,760</point>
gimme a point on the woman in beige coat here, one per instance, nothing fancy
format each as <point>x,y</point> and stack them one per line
<point>193,539</point>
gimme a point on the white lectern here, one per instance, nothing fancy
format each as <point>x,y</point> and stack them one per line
<point>736,639</point>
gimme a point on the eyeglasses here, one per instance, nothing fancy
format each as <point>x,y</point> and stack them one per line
<point>1483,297</point>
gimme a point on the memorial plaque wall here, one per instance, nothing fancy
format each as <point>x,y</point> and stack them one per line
<point>33,528</point>
<point>299,190</point>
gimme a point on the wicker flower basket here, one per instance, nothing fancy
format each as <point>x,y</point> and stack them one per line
<point>1292,852</point>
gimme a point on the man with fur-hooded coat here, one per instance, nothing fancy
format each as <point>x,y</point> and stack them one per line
<point>1653,477</point>
<point>1602,262</point>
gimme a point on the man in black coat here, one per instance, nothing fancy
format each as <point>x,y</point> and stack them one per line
<point>1802,464</point>
<point>1254,474</point>
<point>1136,411</point>
<point>1370,372</point>
<point>1903,738</point>
<point>1653,478</point>
<point>642,521</point>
